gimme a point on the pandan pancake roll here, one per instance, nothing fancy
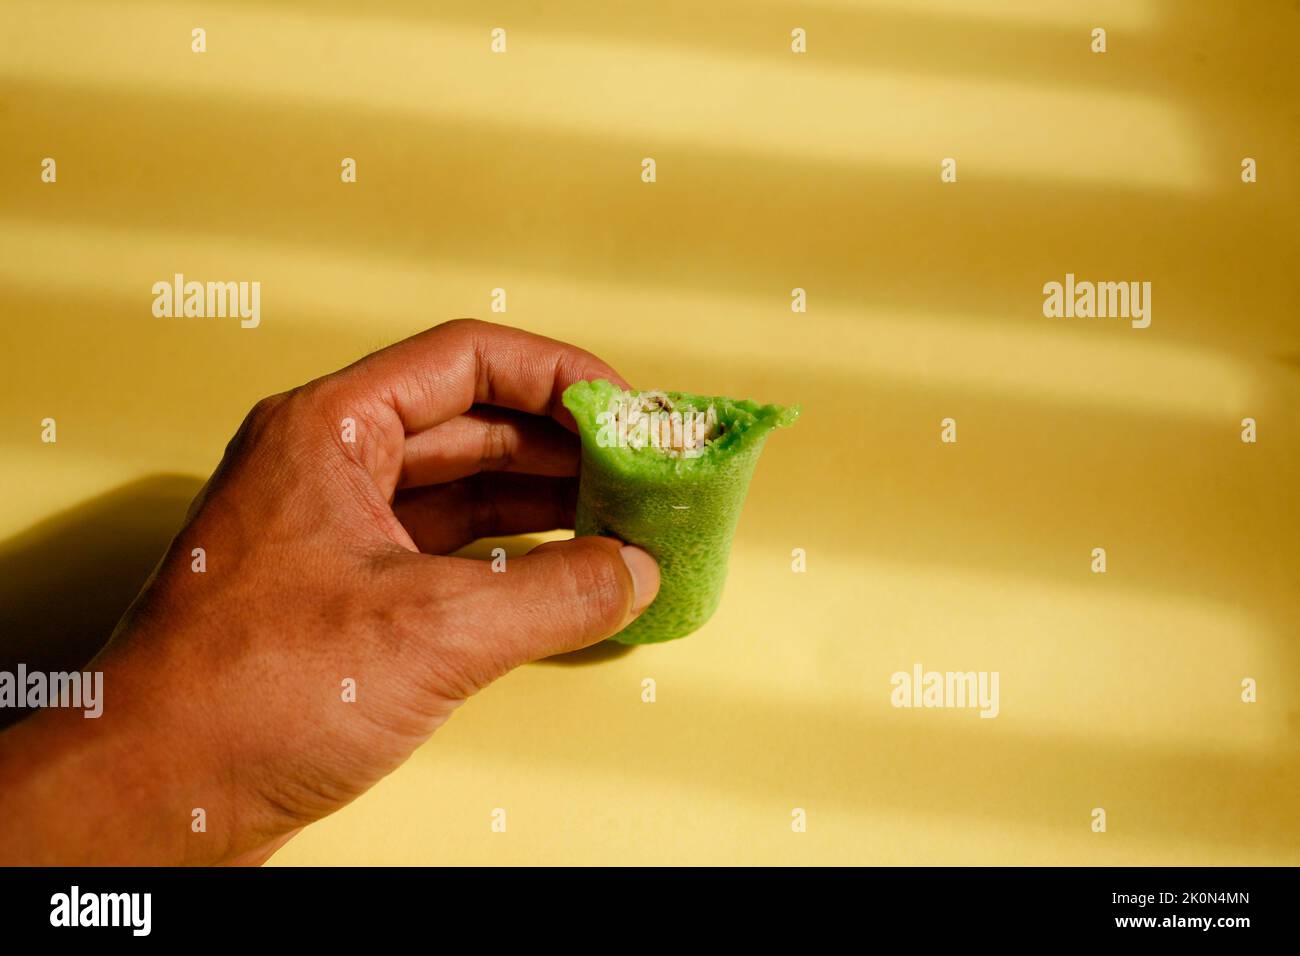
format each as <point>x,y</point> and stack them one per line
<point>668,472</point>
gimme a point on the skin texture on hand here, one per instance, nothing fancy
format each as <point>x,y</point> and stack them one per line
<point>325,561</point>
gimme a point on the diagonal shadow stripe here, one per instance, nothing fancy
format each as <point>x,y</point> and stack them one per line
<point>725,222</point>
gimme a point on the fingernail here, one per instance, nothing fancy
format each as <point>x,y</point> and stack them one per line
<point>645,576</point>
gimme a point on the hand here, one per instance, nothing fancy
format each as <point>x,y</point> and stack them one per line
<point>224,689</point>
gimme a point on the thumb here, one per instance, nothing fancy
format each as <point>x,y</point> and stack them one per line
<point>565,595</point>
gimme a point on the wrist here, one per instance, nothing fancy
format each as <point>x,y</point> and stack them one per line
<point>118,789</point>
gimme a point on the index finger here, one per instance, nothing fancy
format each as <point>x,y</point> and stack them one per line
<point>442,372</point>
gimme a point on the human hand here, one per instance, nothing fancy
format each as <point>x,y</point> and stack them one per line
<point>225,689</point>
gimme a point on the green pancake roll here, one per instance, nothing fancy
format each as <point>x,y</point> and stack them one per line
<point>668,472</point>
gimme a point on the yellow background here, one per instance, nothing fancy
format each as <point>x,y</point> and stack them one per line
<point>775,171</point>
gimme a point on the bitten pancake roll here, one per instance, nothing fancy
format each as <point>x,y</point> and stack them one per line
<point>668,472</point>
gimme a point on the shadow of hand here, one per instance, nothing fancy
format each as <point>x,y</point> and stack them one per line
<point>65,581</point>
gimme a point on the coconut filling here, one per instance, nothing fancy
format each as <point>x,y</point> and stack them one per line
<point>651,421</point>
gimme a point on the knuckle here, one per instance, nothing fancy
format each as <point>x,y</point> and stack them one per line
<point>267,410</point>
<point>265,407</point>
<point>332,407</point>
<point>597,585</point>
<point>498,445</point>
<point>255,423</point>
<point>466,327</point>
